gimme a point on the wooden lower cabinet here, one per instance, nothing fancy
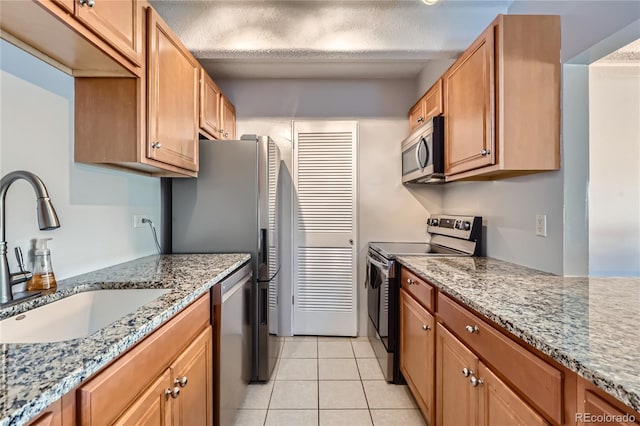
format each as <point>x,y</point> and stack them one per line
<point>60,413</point>
<point>182,394</point>
<point>417,352</point>
<point>499,405</point>
<point>192,374</point>
<point>594,407</point>
<point>165,379</point>
<point>153,407</point>
<point>456,401</point>
<point>469,393</point>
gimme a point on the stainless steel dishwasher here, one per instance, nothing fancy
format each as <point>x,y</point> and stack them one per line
<point>235,342</point>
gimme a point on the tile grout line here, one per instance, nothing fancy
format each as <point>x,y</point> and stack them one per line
<point>362,384</point>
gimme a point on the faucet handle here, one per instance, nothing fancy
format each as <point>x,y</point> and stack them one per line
<point>19,258</point>
<point>23,275</point>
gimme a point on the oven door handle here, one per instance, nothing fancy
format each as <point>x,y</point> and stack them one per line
<point>382,266</point>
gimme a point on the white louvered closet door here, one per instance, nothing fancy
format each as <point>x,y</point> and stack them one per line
<point>325,228</point>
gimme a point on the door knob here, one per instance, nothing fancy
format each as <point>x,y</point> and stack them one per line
<point>426,327</point>
<point>351,241</point>
<point>181,381</point>
<point>485,152</point>
<point>173,393</point>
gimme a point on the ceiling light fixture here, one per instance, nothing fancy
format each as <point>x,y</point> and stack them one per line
<point>430,2</point>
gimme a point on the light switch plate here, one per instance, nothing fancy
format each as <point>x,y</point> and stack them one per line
<point>541,225</point>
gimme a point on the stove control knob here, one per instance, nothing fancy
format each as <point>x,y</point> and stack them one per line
<point>435,222</point>
<point>466,225</point>
<point>457,224</point>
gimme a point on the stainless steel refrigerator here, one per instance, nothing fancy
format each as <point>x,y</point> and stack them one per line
<point>233,206</point>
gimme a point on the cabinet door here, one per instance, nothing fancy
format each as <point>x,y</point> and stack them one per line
<point>152,407</point>
<point>469,108</point>
<point>228,119</point>
<point>416,116</point>
<point>117,22</point>
<point>417,352</point>
<point>209,105</point>
<point>499,405</point>
<point>172,91</point>
<point>192,372</point>
<point>67,5</point>
<point>456,399</point>
<point>433,100</point>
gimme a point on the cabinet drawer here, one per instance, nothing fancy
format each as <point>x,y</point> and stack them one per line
<point>418,288</point>
<point>106,396</point>
<point>538,381</point>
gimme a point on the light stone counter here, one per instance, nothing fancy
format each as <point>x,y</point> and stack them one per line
<point>32,376</point>
<point>589,325</point>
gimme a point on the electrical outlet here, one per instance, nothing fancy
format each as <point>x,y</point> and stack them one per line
<point>137,221</point>
<point>541,225</point>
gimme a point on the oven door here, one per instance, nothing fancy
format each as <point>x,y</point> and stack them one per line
<point>377,282</point>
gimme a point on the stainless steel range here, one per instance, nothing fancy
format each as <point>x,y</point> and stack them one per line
<point>450,236</point>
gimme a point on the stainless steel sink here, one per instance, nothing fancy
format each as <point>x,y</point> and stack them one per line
<point>75,316</point>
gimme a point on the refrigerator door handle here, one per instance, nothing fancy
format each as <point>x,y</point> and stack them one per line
<point>264,303</point>
<point>264,252</point>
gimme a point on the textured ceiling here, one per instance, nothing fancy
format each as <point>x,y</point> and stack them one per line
<point>627,54</point>
<point>293,39</point>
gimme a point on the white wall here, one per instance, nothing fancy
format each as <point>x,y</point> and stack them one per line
<point>432,71</point>
<point>614,172</point>
<point>95,206</point>
<point>387,209</point>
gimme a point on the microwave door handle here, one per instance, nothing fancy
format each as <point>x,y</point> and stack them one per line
<point>422,144</point>
<point>418,155</point>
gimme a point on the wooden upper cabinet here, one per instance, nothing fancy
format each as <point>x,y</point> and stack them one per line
<point>67,5</point>
<point>416,115</point>
<point>428,106</point>
<point>117,22</point>
<point>499,405</point>
<point>417,353</point>
<point>456,399</point>
<point>502,101</point>
<point>433,100</point>
<point>469,100</point>
<point>228,119</point>
<point>192,374</point>
<point>153,407</point>
<point>210,102</point>
<point>172,91</point>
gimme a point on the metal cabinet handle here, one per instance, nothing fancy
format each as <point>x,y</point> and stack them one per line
<point>82,2</point>
<point>466,372</point>
<point>221,131</point>
<point>421,119</point>
<point>181,381</point>
<point>226,135</point>
<point>173,393</point>
<point>472,329</point>
<point>426,327</point>
<point>485,152</point>
<point>156,145</point>
<point>475,381</point>
<point>410,281</point>
<point>91,3</point>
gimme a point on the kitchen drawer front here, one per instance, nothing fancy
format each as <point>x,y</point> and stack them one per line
<point>421,291</point>
<point>538,381</point>
<point>108,394</point>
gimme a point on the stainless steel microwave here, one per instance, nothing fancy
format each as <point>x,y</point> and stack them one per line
<point>423,153</point>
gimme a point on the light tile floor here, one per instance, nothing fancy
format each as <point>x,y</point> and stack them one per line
<point>328,381</point>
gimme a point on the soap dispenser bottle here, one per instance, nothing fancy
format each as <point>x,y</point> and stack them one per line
<point>43,277</point>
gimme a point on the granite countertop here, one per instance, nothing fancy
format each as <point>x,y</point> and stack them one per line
<point>32,376</point>
<point>589,325</point>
